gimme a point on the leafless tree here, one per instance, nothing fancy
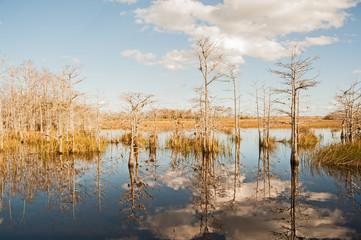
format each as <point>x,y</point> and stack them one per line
<point>295,78</point>
<point>209,57</point>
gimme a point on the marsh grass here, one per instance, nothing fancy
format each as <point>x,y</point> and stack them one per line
<point>348,154</point>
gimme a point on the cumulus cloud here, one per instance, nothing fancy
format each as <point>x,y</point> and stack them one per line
<point>74,59</point>
<point>122,1</point>
<point>248,28</point>
<point>356,71</point>
<point>122,13</point>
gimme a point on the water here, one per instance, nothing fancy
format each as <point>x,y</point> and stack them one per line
<point>178,197</point>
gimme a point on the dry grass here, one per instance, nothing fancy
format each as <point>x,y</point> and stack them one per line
<point>223,123</point>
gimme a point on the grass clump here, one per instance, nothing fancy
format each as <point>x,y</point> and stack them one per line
<point>307,138</point>
<point>126,140</point>
<point>348,154</point>
<point>192,144</point>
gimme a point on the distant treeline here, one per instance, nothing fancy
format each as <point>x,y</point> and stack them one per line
<point>165,113</point>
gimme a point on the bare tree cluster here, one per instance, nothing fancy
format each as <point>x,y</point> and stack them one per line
<point>350,103</point>
<point>39,101</point>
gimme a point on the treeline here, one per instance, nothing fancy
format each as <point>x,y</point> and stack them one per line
<point>38,104</point>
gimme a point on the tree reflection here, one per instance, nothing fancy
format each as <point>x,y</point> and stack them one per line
<point>348,181</point>
<point>264,172</point>
<point>294,193</point>
<point>26,175</point>
<point>207,185</point>
<point>132,200</point>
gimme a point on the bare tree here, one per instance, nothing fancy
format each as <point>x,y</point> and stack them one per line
<point>209,57</point>
<point>136,102</point>
<point>295,78</point>
<point>232,75</point>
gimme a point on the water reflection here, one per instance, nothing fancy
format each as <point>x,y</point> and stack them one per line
<point>256,195</point>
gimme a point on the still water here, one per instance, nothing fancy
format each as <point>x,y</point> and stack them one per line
<point>173,196</point>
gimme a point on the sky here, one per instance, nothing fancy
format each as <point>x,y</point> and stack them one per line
<point>147,46</point>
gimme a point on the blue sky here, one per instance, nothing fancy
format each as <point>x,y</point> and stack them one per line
<point>146,46</point>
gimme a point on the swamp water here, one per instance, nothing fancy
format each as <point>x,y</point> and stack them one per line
<point>172,196</point>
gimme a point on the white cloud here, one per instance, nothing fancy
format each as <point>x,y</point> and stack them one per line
<point>174,60</point>
<point>177,59</point>
<point>357,71</point>
<point>122,13</point>
<point>312,41</point>
<point>1,22</point>
<point>252,28</point>
<point>140,57</point>
<point>74,59</point>
<point>122,1</point>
